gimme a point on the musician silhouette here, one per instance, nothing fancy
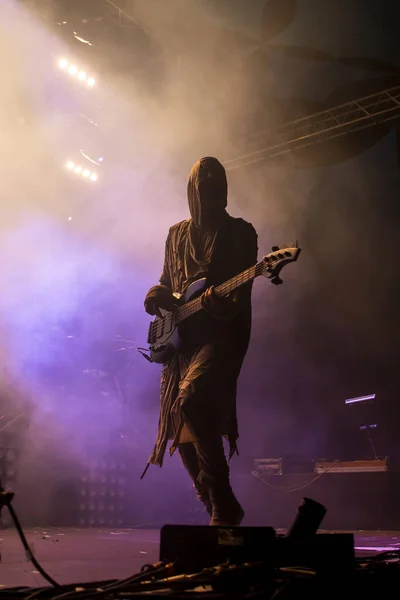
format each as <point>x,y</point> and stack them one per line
<point>198,384</point>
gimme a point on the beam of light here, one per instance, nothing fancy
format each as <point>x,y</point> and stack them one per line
<point>82,171</point>
<point>75,71</point>
<point>360,399</point>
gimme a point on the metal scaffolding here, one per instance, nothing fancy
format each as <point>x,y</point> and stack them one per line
<point>338,121</point>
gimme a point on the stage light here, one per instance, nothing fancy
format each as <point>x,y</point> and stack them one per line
<point>360,399</point>
<point>75,71</point>
<point>82,171</point>
<point>104,495</point>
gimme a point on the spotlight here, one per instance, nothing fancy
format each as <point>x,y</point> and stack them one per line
<point>75,71</point>
<point>82,171</point>
<point>103,499</point>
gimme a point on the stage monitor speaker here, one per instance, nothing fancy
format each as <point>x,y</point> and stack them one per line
<point>195,547</point>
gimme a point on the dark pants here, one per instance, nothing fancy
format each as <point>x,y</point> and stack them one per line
<point>207,466</point>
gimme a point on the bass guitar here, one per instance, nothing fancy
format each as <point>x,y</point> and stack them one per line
<point>163,337</point>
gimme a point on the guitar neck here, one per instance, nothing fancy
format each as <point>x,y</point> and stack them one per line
<point>194,306</point>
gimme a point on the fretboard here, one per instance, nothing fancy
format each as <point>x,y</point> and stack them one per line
<point>194,306</point>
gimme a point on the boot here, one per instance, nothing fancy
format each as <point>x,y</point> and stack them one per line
<point>226,510</point>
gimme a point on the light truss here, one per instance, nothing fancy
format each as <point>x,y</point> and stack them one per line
<point>369,111</point>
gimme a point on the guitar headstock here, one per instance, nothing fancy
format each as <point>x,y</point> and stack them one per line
<point>274,262</point>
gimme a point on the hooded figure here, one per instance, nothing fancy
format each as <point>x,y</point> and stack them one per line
<point>198,385</point>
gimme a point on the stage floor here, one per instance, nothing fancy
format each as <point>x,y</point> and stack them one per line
<point>79,555</point>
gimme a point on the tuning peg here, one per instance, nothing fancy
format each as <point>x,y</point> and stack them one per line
<point>275,248</point>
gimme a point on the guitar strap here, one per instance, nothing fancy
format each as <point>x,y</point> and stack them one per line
<point>215,274</point>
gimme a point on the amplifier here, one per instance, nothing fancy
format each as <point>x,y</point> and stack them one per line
<point>378,465</point>
<point>269,466</point>
<point>283,466</point>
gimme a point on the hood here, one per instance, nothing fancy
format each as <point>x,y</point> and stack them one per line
<point>207,192</point>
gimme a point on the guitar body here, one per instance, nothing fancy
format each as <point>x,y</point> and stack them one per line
<point>167,341</point>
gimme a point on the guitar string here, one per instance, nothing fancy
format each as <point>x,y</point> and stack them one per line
<point>192,307</point>
<point>225,288</point>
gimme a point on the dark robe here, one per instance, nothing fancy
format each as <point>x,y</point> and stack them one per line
<point>198,386</point>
